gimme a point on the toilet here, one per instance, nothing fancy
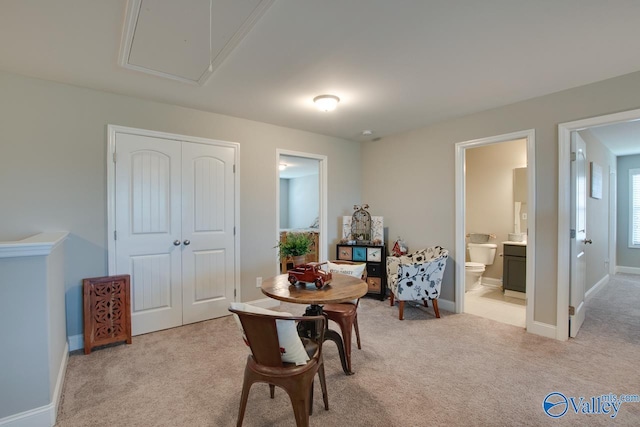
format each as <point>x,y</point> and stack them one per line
<point>481,255</point>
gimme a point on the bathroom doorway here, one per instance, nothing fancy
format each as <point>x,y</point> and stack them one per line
<point>495,188</point>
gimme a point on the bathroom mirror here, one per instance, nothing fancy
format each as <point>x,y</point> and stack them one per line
<point>520,194</point>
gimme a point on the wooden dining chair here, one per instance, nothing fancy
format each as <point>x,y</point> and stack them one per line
<point>265,364</point>
<point>346,314</point>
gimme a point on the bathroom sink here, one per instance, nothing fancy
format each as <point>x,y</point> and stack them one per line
<point>515,237</point>
<point>508,242</point>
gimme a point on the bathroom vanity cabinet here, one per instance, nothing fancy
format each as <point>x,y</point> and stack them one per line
<point>514,270</point>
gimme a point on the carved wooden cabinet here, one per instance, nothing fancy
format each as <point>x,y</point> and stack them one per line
<point>376,258</point>
<point>107,311</point>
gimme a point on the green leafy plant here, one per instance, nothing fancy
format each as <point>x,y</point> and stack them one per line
<point>295,244</point>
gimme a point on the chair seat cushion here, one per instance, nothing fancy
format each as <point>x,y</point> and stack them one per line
<point>292,349</point>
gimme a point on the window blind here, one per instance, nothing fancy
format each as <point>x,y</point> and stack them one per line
<point>634,211</point>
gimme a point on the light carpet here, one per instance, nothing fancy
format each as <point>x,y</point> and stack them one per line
<point>459,370</point>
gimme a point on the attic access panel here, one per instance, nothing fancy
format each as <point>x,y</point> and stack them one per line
<point>170,38</point>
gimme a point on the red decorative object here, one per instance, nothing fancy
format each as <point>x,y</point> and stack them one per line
<point>399,248</point>
<point>107,311</point>
<point>310,272</point>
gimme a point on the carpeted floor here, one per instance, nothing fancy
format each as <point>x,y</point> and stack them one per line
<point>459,370</point>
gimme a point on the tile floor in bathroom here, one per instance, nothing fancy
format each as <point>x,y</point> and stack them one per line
<point>490,302</point>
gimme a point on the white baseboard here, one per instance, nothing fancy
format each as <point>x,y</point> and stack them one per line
<point>57,392</point>
<point>628,270</point>
<point>75,342</point>
<point>515,294</point>
<point>595,288</point>
<point>37,417</point>
<point>543,329</point>
<point>44,415</point>
<point>491,282</point>
<point>446,305</point>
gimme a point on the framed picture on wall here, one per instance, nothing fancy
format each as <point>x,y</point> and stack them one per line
<point>595,173</point>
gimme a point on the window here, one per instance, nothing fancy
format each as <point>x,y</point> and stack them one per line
<point>634,208</point>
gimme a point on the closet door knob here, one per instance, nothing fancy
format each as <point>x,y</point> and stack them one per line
<point>176,242</point>
<point>187,242</point>
<point>588,241</point>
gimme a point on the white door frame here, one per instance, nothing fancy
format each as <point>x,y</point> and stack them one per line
<point>564,208</point>
<point>460,245</point>
<point>322,178</point>
<point>112,130</point>
<point>613,224</point>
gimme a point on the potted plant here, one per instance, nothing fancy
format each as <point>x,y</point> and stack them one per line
<point>296,246</point>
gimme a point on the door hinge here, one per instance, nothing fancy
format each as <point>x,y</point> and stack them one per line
<point>234,294</point>
<point>234,168</point>
<point>115,235</point>
<point>572,233</point>
<point>114,157</point>
<point>573,156</point>
<point>572,310</point>
<point>234,230</point>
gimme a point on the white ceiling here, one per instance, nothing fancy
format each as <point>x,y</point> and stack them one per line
<point>298,167</point>
<point>396,65</point>
<point>622,139</point>
<point>185,41</point>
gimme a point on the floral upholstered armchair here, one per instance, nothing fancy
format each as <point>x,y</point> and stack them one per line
<point>417,276</point>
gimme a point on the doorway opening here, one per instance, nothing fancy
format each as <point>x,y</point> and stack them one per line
<point>527,200</point>
<point>302,201</point>
<point>567,131</point>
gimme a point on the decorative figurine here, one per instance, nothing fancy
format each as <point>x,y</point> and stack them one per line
<point>311,273</point>
<point>361,224</point>
<point>399,248</point>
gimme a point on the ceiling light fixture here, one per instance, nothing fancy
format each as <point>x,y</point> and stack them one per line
<point>282,166</point>
<point>326,102</point>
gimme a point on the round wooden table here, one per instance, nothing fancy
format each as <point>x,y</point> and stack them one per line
<point>342,288</point>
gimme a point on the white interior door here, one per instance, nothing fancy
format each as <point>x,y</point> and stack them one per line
<point>148,226</point>
<point>208,228</point>
<point>579,233</point>
<point>174,222</point>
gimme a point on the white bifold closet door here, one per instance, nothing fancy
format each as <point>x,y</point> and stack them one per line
<point>174,208</point>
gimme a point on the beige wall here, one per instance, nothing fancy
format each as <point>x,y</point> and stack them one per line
<point>489,193</point>
<point>53,172</point>
<point>53,142</point>
<point>416,192</point>
<point>597,254</point>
